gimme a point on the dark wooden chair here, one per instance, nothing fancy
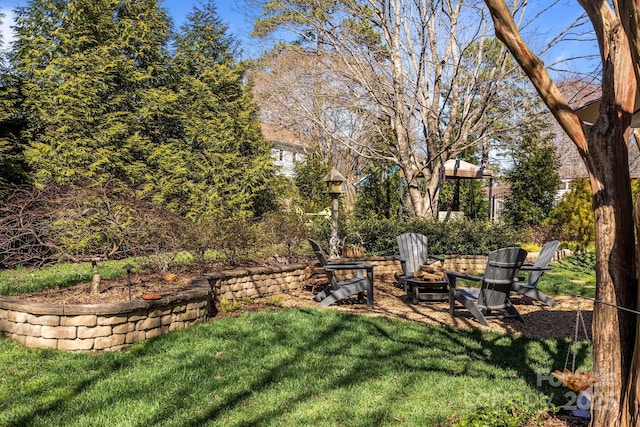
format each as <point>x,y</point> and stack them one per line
<point>491,300</point>
<point>536,270</point>
<point>414,252</point>
<point>341,289</point>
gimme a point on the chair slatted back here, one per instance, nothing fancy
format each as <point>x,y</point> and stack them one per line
<point>546,255</point>
<point>322,257</point>
<point>502,266</point>
<point>414,249</point>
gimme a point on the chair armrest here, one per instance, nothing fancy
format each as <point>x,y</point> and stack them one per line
<point>346,263</point>
<point>452,276</point>
<point>352,266</point>
<point>531,267</point>
<point>464,276</point>
<point>436,257</point>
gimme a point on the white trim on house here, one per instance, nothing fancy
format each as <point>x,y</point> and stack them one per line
<point>287,148</point>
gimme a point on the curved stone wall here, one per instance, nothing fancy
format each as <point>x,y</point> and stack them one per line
<point>110,327</point>
<point>101,326</point>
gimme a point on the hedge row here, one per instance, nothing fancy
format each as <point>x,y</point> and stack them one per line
<point>459,236</point>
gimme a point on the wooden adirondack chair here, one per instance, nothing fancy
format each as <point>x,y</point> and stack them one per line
<point>341,289</point>
<point>414,253</point>
<point>536,270</point>
<point>491,300</point>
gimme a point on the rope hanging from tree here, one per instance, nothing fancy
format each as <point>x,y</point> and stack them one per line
<point>574,379</point>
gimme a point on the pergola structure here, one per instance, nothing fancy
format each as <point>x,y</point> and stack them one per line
<point>459,169</point>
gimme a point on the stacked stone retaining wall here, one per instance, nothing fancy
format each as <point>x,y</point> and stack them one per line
<point>107,327</point>
<point>110,327</point>
<point>254,282</point>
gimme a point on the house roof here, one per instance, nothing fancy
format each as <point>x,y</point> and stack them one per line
<point>277,134</point>
<point>590,111</point>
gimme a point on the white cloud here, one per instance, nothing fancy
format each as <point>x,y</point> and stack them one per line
<point>5,28</point>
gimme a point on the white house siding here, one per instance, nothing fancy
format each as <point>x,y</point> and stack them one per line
<point>287,148</point>
<point>285,158</point>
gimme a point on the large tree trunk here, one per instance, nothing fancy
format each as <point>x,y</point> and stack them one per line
<point>613,329</point>
<point>603,148</point>
<point>424,192</point>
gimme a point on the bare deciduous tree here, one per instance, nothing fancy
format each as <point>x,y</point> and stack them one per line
<point>56,224</point>
<point>428,74</point>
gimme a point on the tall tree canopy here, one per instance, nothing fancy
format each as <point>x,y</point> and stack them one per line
<point>221,129</point>
<point>534,179</point>
<point>428,70</point>
<point>104,101</point>
<point>93,74</point>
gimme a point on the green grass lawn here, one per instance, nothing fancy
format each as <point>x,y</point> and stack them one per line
<point>573,275</point>
<point>294,367</point>
<point>286,368</point>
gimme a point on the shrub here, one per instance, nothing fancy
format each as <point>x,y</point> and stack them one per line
<point>451,237</point>
<point>227,306</point>
<point>574,214</point>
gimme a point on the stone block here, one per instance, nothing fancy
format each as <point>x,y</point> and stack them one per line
<point>196,305</point>
<point>148,323</point>
<point>156,332</point>
<point>176,326</point>
<point>95,332</point>
<point>125,328</point>
<point>180,308</point>
<point>137,315</point>
<point>43,320</point>
<point>135,336</point>
<point>159,312</point>
<point>112,320</point>
<point>108,342</point>
<point>187,316</point>
<point>58,332</point>
<point>88,320</point>
<point>166,320</point>
<point>39,342</point>
<point>28,329</point>
<point>17,316</point>
<point>75,345</point>
<point>7,326</point>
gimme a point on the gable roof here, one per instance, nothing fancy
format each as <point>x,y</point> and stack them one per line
<point>281,136</point>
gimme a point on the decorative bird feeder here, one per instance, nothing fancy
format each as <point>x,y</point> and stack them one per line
<point>334,180</point>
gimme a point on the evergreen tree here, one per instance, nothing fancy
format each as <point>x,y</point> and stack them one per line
<point>95,85</point>
<point>12,167</point>
<point>228,162</point>
<point>534,177</point>
<point>574,214</point>
<point>309,176</point>
<point>379,196</point>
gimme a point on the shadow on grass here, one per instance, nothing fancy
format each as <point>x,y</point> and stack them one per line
<point>304,366</point>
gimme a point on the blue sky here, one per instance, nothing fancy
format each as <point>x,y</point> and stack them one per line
<point>178,10</point>
<point>562,14</point>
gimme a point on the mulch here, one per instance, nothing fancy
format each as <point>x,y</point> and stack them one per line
<point>540,321</point>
